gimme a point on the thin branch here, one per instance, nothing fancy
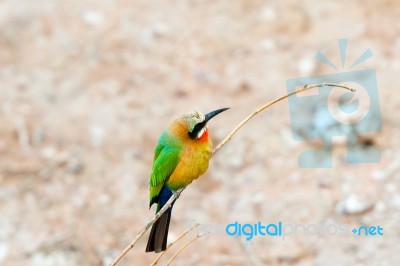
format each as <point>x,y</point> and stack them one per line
<point>265,106</point>
<point>147,227</point>
<point>185,246</point>
<point>184,233</point>
<point>220,145</point>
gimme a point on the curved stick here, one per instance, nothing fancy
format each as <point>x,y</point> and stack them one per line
<point>265,106</point>
<point>185,246</point>
<point>182,235</point>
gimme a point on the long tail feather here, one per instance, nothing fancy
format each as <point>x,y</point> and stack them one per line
<point>159,231</point>
<point>159,234</point>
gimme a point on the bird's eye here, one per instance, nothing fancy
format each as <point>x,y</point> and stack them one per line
<point>197,129</point>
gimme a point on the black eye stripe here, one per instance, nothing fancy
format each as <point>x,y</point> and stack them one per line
<point>197,128</point>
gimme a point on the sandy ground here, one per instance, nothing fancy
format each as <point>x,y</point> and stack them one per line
<point>88,86</point>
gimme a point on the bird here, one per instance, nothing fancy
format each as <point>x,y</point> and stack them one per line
<point>182,154</point>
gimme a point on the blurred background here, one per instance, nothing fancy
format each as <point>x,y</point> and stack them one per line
<point>86,87</point>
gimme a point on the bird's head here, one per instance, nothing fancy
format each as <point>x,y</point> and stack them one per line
<point>196,122</point>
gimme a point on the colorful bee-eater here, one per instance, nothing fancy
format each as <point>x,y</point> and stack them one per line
<point>182,155</point>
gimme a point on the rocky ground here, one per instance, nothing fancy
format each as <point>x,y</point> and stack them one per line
<point>87,87</point>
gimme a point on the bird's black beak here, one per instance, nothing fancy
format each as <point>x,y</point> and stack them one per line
<point>214,113</point>
<point>198,127</point>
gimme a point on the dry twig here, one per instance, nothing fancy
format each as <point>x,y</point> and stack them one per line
<point>183,234</point>
<point>185,246</point>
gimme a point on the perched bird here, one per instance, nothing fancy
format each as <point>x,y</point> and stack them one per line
<point>182,155</point>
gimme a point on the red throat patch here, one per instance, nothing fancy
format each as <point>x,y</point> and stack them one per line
<point>204,136</point>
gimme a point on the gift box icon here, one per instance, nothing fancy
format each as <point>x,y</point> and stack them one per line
<point>332,113</point>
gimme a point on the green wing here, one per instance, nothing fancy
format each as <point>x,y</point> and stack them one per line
<point>166,159</point>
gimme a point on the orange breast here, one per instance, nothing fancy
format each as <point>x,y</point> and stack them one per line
<point>193,162</point>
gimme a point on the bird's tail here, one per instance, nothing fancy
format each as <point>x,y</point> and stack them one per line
<point>159,231</point>
<point>159,234</point>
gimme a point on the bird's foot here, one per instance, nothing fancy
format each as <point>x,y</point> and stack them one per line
<point>177,193</point>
